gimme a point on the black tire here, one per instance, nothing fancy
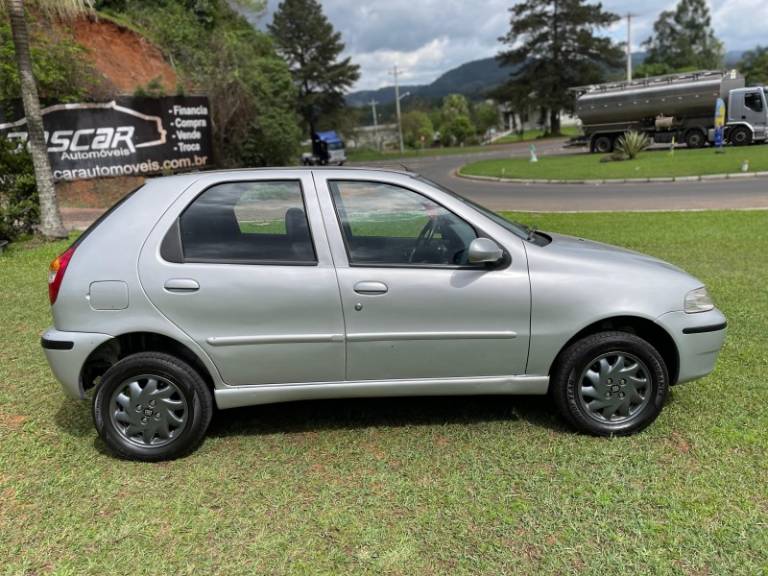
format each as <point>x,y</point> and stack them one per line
<point>574,361</point>
<point>186,386</point>
<point>740,136</point>
<point>695,138</point>
<point>603,144</point>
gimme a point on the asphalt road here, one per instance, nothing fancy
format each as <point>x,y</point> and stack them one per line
<point>707,195</point>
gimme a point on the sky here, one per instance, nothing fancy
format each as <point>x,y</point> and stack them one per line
<point>428,37</point>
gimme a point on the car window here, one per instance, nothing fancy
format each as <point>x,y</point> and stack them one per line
<point>390,225</point>
<point>248,222</point>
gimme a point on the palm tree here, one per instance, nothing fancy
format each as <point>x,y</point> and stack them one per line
<point>51,225</point>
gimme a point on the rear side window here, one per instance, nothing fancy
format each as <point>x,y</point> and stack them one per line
<point>261,222</point>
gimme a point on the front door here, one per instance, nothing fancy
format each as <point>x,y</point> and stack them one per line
<point>413,306</point>
<point>245,270</point>
<point>754,111</point>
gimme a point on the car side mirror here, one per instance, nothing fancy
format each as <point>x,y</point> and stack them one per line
<point>484,251</point>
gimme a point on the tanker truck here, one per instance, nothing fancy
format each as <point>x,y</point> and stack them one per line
<point>674,106</point>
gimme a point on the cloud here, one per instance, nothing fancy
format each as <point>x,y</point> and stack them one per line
<point>428,37</point>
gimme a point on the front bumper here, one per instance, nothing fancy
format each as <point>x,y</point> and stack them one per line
<point>66,353</point>
<point>699,338</point>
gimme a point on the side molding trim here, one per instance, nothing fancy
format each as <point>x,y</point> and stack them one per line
<point>396,336</point>
<point>275,339</point>
<point>236,396</point>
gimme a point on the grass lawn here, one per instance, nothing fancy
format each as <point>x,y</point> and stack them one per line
<point>538,134</point>
<point>407,486</point>
<point>650,164</point>
<point>369,154</point>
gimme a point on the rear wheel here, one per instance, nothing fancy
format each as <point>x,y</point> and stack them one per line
<point>152,406</point>
<point>610,384</point>
<point>603,144</point>
<point>695,139</point>
<point>740,136</point>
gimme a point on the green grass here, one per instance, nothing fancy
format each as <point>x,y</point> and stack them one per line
<point>418,486</point>
<point>369,154</point>
<point>537,134</point>
<point>650,164</point>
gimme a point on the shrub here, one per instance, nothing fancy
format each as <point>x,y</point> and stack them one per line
<point>19,212</point>
<point>632,143</point>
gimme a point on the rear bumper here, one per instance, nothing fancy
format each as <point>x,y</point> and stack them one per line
<point>66,353</point>
<point>699,338</point>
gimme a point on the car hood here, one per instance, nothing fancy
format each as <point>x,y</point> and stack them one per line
<point>579,248</point>
<point>602,279</point>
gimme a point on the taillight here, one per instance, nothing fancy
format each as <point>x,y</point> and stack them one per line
<point>56,273</point>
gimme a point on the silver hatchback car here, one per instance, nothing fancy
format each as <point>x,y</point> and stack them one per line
<point>259,286</point>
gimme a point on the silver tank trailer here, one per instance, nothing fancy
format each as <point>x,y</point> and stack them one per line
<point>675,96</point>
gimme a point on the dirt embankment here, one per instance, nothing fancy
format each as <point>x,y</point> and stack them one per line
<point>125,59</point>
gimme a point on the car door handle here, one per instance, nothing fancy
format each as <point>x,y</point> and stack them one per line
<point>371,288</point>
<point>182,285</point>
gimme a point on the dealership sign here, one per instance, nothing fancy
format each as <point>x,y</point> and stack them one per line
<point>125,137</point>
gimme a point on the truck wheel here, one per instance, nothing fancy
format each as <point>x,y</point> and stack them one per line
<point>609,384</point>
<point>695,139</point>
<point>152,406</point>
<point>740,136</point>
<point>602,144</point>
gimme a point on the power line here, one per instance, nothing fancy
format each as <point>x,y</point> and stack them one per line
<point>629,45</point>
<point>395,73</point>
<point>375,123</point>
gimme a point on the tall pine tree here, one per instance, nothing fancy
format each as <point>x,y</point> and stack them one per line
<point>683,39</point>
<point>308,42</point>
<point>554,45</point>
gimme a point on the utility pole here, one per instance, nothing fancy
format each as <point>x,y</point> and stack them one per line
<point>397,110</point>
<point>375,123</point>
<point>629,47</point>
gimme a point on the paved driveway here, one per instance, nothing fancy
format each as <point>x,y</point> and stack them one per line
<point>720,194</point>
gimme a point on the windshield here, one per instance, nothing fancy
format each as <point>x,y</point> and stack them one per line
<point>515,227</point>
<point>337,145</point>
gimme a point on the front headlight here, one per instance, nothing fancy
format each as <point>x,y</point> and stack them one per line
<point>698,300</point>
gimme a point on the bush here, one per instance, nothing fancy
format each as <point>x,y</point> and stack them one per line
<point>632,143</point>
<point>59,66</point>
<point>250,88</point>
<point>19,212</point>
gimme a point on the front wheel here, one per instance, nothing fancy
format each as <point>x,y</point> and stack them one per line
<point>741,136</point>
<point>610,384</point>
<point>152,406</point>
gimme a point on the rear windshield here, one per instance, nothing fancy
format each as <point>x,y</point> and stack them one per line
<point>103,217</point>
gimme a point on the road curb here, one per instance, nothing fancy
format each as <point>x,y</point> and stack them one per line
<point>598,182</point>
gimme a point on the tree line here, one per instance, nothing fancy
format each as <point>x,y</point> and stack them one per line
<point>270,90</point>
<point>559,44</point>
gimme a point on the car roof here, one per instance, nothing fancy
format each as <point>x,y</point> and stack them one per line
<point>200,173</point>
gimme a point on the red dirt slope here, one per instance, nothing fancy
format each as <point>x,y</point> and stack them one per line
<point>124,58</point>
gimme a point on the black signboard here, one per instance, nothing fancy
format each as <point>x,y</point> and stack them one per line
<point>125,137</point>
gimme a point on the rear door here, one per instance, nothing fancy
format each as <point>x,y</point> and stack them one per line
<point>242,265</point>
<point>414,308</point>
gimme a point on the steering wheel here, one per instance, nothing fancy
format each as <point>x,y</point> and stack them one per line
<point>424,237</point>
